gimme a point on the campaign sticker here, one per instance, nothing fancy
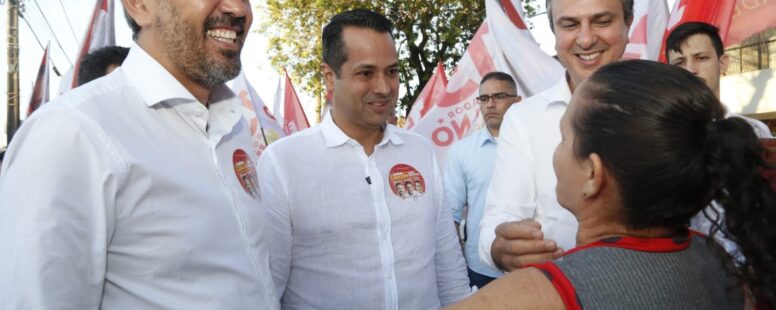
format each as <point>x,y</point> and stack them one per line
<point>406,182</point>
<point>246,172</point>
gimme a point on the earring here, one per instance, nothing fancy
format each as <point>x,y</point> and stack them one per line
<point>585,194</point>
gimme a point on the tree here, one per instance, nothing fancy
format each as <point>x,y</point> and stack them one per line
<point>427,32</point>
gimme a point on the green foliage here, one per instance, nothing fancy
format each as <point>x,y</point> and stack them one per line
<point>426,32</point>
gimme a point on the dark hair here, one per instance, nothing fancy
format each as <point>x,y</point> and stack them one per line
<point>334,53</point>
<point>664,136</point>
<point>627,12</point>
<point>132,25</point>
<point>95,64</point>
<point>499,76</point>
<point>684,31</point>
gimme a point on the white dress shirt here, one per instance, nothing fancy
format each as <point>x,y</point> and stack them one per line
<point>125,194</point>
<point>523,181</point>
<point>342,238</point>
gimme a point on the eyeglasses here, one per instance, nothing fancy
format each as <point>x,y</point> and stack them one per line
<point>497,97</point>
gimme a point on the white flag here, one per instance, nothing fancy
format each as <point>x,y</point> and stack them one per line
<point>650,18</point>
<point>264,127</point>
<point>502,43</point>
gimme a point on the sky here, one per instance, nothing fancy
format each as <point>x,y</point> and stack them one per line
<point>69,19</point>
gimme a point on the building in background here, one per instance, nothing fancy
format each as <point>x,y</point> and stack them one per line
<point>749,87</point>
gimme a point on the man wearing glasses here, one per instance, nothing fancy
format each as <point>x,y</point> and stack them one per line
<point>470,165</point>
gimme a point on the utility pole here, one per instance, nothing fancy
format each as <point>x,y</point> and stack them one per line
<point>13,68</point>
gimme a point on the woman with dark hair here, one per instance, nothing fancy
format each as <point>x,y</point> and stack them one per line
<point>645,147</point>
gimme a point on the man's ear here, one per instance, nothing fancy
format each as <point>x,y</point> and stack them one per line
<point>328,76</point>
<point>724,61</point>
<point>139,11</point>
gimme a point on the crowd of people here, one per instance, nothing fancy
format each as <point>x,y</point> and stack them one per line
<point>626,185</point>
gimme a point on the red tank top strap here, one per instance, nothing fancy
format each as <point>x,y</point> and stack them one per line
<point>673,244</point>
<point>562,284</point>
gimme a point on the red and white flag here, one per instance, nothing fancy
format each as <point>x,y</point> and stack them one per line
<point>431,93</point>
<point>749,18</point>
<point>650,18</point>
<point>100,33</point>
<point>293,119</point>
<point>502,43</point>
<point>717,12</point>
<point>263,125</point>
<point>40,92</point>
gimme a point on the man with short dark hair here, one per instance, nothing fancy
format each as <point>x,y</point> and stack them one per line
<point>139,190</point>
<point>470,166</point>
<point>697,47</point>
<point>523,222</point>
<point>355,241</point>
<point>101,62</point>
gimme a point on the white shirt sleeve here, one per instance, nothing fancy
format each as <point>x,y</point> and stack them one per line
<point>279,231</point>
<point>58,188</point>
<point>512,192</point>
<point>452,279</point>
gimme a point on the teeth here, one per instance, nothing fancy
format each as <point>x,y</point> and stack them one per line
<point>589,57</point>
<point>223,35</point>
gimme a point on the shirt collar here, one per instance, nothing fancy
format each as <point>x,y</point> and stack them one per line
<point>153,82</point>
<point>560,93</point>
<point>334,136</point>
<point>485,137</point>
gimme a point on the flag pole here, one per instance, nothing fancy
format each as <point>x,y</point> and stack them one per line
<point>12,120</point>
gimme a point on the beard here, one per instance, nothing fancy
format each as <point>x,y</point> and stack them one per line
<point>186,47</point>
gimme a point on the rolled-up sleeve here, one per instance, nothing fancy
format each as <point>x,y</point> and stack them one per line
<point>58,190</point>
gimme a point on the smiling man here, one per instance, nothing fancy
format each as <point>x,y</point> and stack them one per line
<point>344,233</point>
<point>138,190</point>
<point>523,222</point>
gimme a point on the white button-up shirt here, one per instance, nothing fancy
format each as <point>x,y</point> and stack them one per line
<point>342,238</point>
<point>127,193</point>
<point>523,182</point>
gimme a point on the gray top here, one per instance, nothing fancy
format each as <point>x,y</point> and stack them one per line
<point>607,277</point>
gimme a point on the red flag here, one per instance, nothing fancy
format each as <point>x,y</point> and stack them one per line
<point>431,93</point>
<point>100,33</point>
<point>749,18</point>
<point>646,32</point>
<point>40,92</point>
<point>716,12</point>
<point>294,118</point>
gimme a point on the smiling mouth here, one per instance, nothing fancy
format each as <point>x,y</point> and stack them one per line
<point>589,57</point>
<point>223,35</point>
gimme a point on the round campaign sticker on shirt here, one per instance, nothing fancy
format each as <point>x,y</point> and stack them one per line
<point>245,172</point>
<point>406,182</point>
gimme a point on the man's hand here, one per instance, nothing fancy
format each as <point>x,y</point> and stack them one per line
<point>521,243</point>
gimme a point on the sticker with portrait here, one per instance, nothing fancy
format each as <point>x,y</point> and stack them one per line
<point>245,172</point>
<point>406,182</point>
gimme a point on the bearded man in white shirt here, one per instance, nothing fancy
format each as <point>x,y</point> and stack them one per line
<point>343,235</point>
<point>138,190</point>
<point>523,222</point>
